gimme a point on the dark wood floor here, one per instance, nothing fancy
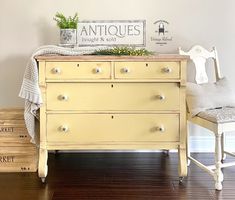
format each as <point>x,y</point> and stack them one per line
<point>111,176</point>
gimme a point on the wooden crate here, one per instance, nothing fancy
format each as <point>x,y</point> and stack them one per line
<point>17,153</point>
<point>12,128</point>
<point>18,159</point>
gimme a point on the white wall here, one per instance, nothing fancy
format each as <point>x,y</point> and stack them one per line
<point>25,25</point>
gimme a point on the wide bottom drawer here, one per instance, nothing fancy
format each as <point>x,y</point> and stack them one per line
<point>98,128</point>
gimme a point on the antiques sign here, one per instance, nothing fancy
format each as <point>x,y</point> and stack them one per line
<point>111,33</point>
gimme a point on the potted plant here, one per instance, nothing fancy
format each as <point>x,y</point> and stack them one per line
<point>68,28</point>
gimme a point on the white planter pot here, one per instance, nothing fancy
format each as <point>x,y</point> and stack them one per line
<point>68,36</point>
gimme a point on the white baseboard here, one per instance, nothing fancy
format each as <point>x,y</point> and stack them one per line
<point>207,143</point>
<point>196,144</point>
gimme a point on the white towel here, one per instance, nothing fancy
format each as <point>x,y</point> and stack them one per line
<point>30,90</point>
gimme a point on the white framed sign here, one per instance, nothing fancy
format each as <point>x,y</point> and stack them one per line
<point>111,33</point>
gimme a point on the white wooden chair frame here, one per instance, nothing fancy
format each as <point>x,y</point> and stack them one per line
<point>199,55</point>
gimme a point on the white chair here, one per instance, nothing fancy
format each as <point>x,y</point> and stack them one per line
<point>211,119</point>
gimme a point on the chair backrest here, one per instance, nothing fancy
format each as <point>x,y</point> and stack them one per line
<point>199,55</point>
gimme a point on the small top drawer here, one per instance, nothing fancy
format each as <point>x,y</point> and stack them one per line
<point>147,70</point>
<point>78,70</point>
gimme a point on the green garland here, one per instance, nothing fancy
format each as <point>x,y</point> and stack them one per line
<point>123,51</point>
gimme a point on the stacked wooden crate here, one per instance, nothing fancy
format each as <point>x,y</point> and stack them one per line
<point>17,153</point>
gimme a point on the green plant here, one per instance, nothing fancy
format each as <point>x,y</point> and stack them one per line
<point>66,22</point>
<point>122,51</point>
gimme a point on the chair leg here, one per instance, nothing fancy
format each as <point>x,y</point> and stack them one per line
<point>218,155</point>
<point>187,145</point>
<point>222,147</point>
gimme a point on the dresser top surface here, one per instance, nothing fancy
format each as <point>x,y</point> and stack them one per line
<point>158,57</point>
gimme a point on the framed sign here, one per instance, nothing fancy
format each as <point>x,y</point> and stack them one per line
<point>111,33</point>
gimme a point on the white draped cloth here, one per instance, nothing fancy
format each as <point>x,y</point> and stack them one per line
<point>30,90</point>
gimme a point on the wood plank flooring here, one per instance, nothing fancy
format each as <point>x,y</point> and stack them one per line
<point>113,176</point>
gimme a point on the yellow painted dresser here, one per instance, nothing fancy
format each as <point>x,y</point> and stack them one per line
<point>112,103</point>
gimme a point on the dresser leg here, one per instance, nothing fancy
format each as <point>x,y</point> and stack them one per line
<point>42,164</point>
<point>182,163</point>
<point>166,152</point>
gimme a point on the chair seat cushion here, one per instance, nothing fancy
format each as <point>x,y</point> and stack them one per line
<point>219,115</point>
<point>209,96</point>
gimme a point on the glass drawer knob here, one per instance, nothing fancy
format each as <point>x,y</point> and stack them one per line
<point>97,70</point>
<point>56,70</point>
<point>160,129</point>
<point>63,97</point>
<point>64,128</point>
<point>167,70</point>
<point>161,97</point>
<point>126,70</point>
